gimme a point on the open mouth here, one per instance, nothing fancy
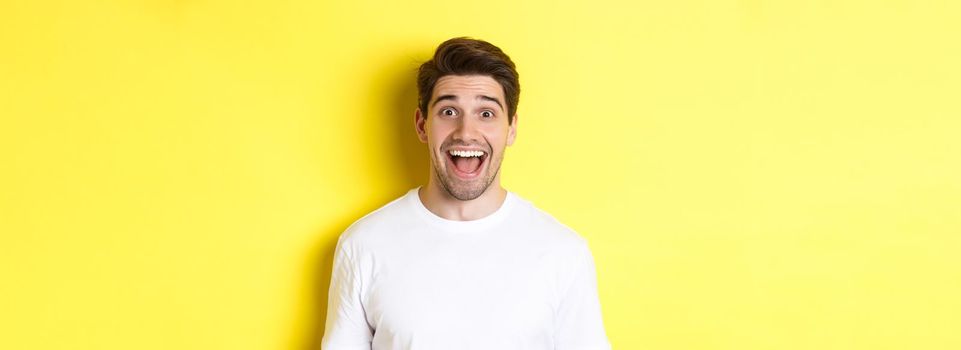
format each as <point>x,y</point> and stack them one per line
<point>466,163</point>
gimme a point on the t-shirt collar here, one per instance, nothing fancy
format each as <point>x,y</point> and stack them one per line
<point>456,226</point>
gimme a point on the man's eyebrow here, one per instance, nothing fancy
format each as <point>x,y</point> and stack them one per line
<point>492,99</point>
<point>444,97</point>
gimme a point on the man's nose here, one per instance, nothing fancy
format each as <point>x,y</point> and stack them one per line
<point>466,129</point>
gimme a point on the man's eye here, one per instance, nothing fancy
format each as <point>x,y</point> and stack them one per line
<point>487,114</point>
<point>450,112</point>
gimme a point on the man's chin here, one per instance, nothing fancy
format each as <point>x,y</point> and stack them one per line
<point>465,190</point>
<point>465,194</point>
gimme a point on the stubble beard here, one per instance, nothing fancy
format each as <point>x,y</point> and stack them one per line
<point>467,190</point>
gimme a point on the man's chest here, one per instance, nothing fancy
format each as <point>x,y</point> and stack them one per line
<point>458,290</point>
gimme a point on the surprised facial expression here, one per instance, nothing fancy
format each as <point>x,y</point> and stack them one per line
<point>466,128</point>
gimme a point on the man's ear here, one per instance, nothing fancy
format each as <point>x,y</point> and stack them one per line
<point>420,124</point>
<point>512,131</point>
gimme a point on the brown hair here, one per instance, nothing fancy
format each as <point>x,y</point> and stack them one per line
<point>466,56</point>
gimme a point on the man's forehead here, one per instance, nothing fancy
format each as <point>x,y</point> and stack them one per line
<point>469,86</point>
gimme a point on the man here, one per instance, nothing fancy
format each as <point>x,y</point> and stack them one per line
<point>462,263</point>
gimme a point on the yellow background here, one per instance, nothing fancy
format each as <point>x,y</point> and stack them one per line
<point>750,174</point>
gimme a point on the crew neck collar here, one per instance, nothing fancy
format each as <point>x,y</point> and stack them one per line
<point>456,226</point>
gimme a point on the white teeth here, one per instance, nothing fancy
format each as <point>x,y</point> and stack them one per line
<point>459,153</point>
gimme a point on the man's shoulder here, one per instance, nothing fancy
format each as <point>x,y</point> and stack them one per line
<point>548,227</point>
<point>387,218</point>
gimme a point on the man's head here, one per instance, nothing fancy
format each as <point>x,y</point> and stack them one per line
<point>468,97</point>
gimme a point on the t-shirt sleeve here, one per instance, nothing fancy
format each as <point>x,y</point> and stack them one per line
<point>346,327</point>
<point>579,324</point>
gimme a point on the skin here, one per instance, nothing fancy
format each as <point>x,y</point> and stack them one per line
<point>465,112</point>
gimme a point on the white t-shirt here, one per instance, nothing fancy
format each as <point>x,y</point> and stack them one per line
<point>405,278</point>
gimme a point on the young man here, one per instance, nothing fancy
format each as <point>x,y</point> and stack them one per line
<point>462,263</point>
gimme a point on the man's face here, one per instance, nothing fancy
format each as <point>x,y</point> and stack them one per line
<point>466,129</point>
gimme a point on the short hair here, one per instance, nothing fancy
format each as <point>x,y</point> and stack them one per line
<point>466,56</point>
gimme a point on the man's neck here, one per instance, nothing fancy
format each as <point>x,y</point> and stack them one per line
<point>442,204</point>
